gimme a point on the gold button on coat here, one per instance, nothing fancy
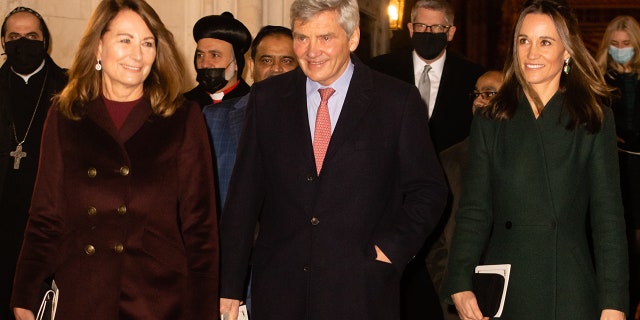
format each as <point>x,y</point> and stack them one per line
<point>92,172</point>
<point>124,171</point>
<point>315,221</point>
<point>122,210</point>
<point>89,250</point>
<point>118,248</point>
<point>92,211</point>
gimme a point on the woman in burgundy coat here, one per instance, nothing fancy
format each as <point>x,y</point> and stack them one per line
<point>123,214</point>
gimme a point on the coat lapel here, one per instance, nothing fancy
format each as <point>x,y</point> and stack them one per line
<point>97,112</point>
<point>443,88</point>
<point>137,118</point>
<point>295,102</point>
<point>356,104</point>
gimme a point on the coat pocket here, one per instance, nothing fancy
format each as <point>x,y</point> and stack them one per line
<point>164,251</point>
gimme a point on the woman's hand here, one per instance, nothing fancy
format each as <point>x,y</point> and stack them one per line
<point>610,314</point>
<point>467,306</point>
<point>23,314</point>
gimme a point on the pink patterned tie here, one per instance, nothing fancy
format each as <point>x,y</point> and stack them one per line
<point>322,132</point>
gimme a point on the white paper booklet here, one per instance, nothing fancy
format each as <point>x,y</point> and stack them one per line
<point>503,270</point>
<point>242,313</point>
<point>50,299</point>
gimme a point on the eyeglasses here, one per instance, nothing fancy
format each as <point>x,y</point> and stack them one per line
<point>436,28</point>
<point>486,95</point>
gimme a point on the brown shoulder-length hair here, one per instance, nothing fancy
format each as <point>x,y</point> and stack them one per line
<point>620,23</point>
<point>164,84</point>
<point>584,87</point>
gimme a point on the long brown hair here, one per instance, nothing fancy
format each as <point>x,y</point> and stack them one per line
<point>584,87</point>
<point>164,84</point>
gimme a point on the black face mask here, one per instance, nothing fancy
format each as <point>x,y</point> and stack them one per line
<point>429,45</point>
<point>211,79</point>
<point>25,55</point>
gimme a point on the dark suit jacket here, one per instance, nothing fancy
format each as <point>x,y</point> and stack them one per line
<point>380,184</point>
<point>451,118</point>
<point>124,220</point>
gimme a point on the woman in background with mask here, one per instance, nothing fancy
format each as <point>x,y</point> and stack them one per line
<point>619,59</point>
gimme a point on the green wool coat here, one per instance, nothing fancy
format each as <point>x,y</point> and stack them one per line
<point>535,195</point>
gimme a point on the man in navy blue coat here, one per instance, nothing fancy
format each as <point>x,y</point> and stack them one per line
<point>222,42</point>
<point>336,234</point>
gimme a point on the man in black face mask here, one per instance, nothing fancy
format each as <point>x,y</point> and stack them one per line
<point>222,42</point>
<point>444,87</point>
<point>451,76</point>
<point>28,80</point>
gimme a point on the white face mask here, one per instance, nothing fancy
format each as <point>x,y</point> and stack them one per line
<point>621,55</point>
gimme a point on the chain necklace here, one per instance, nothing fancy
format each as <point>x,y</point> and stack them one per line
<point>18,154</point>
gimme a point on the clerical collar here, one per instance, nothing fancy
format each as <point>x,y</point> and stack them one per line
<point>217,97</point>
<point>26,77</point>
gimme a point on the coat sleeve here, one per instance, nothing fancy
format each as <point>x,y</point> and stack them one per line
<point>474,216</point>
<point>242,207</point>
<point>607,220</point>
<point>44,229</point>
<point>420,180</point>
<point>198,216</point>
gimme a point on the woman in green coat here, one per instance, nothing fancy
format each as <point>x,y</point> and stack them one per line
<point>542,183</point>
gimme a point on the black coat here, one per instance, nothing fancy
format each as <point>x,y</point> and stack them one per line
<point>380,184</point>
<point>451,118</point>
<point>16,186</point>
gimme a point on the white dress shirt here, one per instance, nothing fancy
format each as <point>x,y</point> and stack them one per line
<point>341,85</point>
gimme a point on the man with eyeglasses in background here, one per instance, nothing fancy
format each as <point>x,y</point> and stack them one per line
<point>444,79</point>
<point>451,76</point>
<point>28,80</point>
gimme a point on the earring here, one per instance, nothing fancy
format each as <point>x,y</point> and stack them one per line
<point>99,65</point>
<point>566,68</point>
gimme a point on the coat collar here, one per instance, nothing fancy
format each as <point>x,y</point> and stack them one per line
<point>97,112</point>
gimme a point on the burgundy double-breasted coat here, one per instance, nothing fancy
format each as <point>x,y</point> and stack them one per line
<point>124,220</point>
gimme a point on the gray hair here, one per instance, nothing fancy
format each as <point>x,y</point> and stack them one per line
<point>437,5</point>
<point>348,12</point>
